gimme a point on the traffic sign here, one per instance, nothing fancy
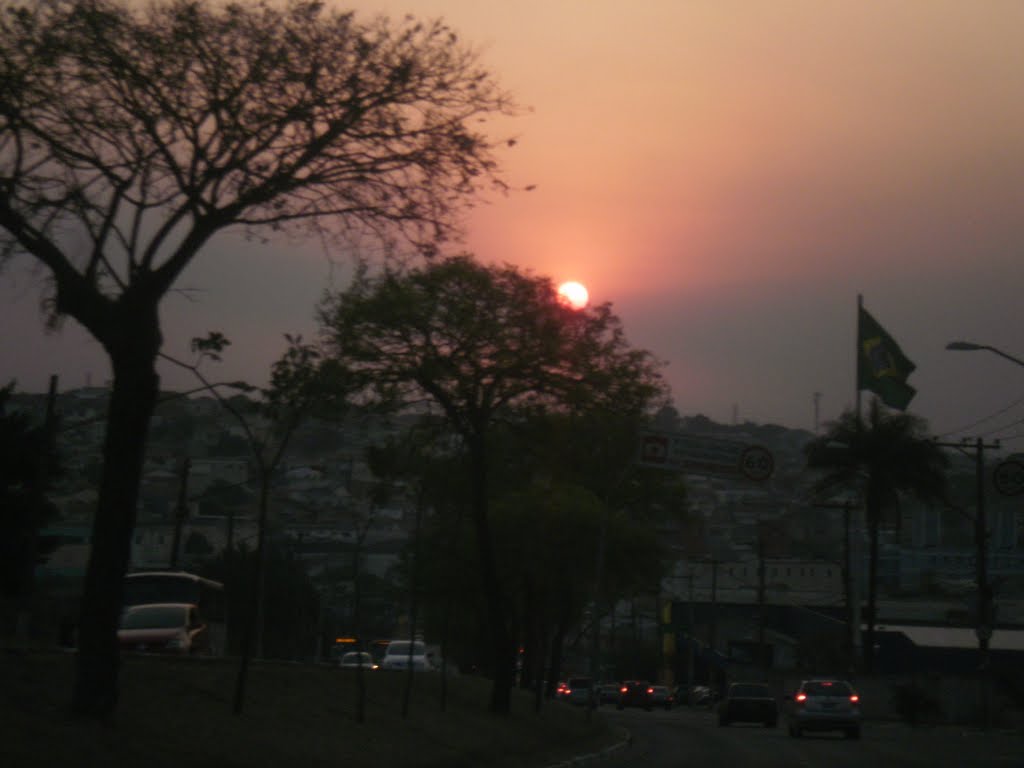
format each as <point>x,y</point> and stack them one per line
<point>757,463</point>
<point>703,455</point>
<point>1008,477</point>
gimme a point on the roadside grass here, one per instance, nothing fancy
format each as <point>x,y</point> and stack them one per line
<point>177,712</point>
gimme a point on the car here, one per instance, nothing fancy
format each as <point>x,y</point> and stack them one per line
<point>399,653</point>
<point>699,696</point>
<point>607,693</point>
<point>635,693</point>
<point>171,628</point>
<point>748,703</point>
<point>662,696</point>
<point>356,659</point>
<point>824,705</point>
<point>578,690</point>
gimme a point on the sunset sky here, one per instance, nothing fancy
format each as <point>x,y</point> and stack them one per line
<point>730,175</point>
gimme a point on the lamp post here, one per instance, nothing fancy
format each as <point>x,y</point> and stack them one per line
<point>985,618</point>
<point>968,346</point>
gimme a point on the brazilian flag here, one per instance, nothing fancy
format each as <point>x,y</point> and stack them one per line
<point>881,365</point>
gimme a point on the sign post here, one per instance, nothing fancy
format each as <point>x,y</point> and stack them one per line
<point>702,455</point>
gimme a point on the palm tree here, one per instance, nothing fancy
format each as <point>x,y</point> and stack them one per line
<point>886,455</point>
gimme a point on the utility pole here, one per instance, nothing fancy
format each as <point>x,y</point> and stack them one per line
<point>713,619</point>
<point>690,643</point>
<point>181,510</point>
<point>850,599</point>
<point>984,618</point>
<point>761,655</point>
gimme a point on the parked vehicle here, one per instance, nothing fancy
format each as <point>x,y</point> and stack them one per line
<point>748,703</point>
<point>401,653</point>
<point>824,705</point>
<point>699,696</point>
<point>173,628</point>
<point>579,690</point>
<point>151,587</point>
<point>356,659</point>
<point>635,693</point>
<point>607,693</point>
<point>662,696</point>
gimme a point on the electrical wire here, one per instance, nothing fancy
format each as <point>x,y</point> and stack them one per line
<point>973,424</point>
<point>1003,428</point>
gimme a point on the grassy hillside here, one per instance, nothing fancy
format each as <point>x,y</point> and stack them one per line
<point>178,713</point>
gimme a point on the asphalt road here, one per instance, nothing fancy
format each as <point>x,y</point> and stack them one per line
<point>683,738</point>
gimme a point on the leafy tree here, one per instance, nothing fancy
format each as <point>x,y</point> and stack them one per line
<point>484,343</point>
<point>133,134</point>
<point>27,466</point>
<point>562,460</point>
<point>882,456</point>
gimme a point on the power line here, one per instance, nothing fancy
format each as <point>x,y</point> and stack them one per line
<point>972,425</point>
<point>1003,427</point>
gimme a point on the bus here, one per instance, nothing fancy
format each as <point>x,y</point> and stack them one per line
<point>144,587</point>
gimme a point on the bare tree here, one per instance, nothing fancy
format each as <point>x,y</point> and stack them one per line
<point>129,138</point>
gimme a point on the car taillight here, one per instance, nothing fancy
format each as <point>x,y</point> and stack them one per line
<point>567,691</point>
<point>650,690</point>
<point>854,699</point>
<point>623,689</point>
<point>801,697</point>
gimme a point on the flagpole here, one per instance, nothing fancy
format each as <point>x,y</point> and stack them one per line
<point>855,560</point>
<point>856,358</point>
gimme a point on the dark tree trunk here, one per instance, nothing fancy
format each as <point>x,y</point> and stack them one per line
<point>132,340</point>
<point>494,599</point>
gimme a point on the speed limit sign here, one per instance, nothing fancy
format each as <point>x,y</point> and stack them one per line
<point>1008,477</point>
<point>757,463</point>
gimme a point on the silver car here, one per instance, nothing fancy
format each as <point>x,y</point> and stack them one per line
<point>824,705</point>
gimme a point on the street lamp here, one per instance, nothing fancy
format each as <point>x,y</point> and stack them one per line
<point>968,346</point>
<point>985,617</point>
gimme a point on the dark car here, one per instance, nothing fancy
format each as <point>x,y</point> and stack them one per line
<point>636,693</point>
<point>824,705</point>
<point>579,690</point>
<point>662,696</point>
<point>748,703</point>
<point>607,693</point>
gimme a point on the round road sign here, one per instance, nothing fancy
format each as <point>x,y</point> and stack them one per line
<point>1008,477</point>
<point>757,463</point>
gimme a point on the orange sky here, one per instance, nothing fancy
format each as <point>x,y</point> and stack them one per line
<point>731,175</point>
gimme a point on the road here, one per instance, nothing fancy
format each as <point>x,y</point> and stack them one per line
<point>683,738</point>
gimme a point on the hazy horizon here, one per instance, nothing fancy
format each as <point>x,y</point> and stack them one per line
<point>730,177</point>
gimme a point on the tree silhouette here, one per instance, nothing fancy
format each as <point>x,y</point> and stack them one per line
<point>882,456</point>
<point>132,135</point>
<point>485,344</point>
<point>28,463</point>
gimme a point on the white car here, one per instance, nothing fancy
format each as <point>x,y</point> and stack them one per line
<point>357,659</point>
<point>399,653</point>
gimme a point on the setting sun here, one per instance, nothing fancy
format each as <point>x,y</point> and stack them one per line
<point>574,294</point>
